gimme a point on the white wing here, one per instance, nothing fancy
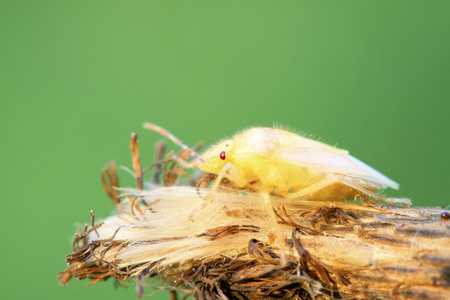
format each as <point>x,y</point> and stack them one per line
<point>335,162</point>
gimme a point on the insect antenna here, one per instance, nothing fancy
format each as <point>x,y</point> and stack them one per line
<point>170,136</point>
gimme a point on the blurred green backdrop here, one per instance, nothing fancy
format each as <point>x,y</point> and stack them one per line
<point>77,77</point>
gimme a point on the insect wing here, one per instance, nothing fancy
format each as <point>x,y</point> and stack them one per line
<point>335,162</point>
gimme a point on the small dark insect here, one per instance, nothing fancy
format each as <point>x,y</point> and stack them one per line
<point>445,215</point>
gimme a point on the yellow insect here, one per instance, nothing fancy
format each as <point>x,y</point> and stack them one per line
<point>276,161</point>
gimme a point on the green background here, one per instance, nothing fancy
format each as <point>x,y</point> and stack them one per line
<point>77,77</point>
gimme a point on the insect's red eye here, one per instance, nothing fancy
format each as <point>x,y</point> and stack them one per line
<point>222,155</point>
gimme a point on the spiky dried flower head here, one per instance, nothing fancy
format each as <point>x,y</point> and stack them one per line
<point>227,251</point>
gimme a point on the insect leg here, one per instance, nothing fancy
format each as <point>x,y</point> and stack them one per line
<point>210,197</point>
<point>312,188</point>
<point>275,226</point>
<point>397,201</point>
<point>212,191</point>
<point>328,181</point>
